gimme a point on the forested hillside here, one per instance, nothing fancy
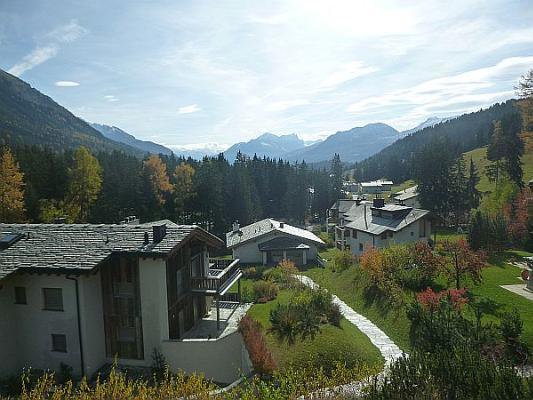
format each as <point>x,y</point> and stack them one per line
<point>462,134</point>
<point>28,117</point>
<point>212,192</point>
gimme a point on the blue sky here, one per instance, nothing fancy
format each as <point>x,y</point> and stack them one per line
<point>210,73</point>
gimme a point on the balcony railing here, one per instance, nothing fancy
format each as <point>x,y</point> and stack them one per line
<point>221,275</point>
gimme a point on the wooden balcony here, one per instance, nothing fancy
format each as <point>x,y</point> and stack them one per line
<point>221,276</point>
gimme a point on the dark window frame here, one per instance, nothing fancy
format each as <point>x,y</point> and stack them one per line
<point>20,295</point>
<point>61,346</point>
<point>47,306</point>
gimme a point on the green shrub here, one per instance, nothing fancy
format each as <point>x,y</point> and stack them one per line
<point>328,239</point>
<point>285,320</point>
<point>342,260</point>
<point>334,315</point>
<point>265,291</point>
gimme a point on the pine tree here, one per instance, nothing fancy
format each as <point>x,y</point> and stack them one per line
<point>525,92</point>
<point>336,178</point>
<point>473,180</point>
<point>11,188</point>
<point>84,184</point>
<point>506,149</point>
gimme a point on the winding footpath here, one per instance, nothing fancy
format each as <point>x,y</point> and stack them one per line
<point>388,349</point>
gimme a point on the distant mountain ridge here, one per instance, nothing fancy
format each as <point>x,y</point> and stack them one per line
<point>118,135</point>
<point>352,145</point>
<point>28,117</point>
<point>268,145</point>
<point>428,123</point>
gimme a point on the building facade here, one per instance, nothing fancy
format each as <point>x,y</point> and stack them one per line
<point>376,224</point>
<point>267,242</point>
<point>85,295</point>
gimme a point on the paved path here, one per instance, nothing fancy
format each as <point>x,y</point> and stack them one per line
<point>388,349</point>
<point>519,289</point>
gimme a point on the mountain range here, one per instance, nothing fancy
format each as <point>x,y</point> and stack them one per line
<point>268,145</point>
<point>28,117</point>
<point>118,135</point>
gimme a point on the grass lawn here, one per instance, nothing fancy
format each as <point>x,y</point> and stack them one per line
<point>502,273</point>
<point>346,343</point>
<point>349,286</point>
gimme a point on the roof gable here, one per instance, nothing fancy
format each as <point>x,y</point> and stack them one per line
<point>264,227</point>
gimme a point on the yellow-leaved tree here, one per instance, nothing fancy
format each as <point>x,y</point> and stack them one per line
<point>11,188</point>
<point>156,173</point>
<point>84,184</point>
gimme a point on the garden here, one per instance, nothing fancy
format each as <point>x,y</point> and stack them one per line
<point>300,327</point>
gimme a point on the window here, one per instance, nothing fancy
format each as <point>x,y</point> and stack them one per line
<point>20,295</point>
<point>360,246</point>
<point>412,234</point>
<point>354,233</point>
<point>59,343</point>
<point>53,299</point>
<point>179,282</point>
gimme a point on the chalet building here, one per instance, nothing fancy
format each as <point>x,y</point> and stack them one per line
<point>407,197</point>
<point>339,208</point>
<point>269,242</point>
<point>376,224</point>
<point>84,294</point>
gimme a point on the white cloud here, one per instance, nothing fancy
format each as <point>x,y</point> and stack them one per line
<point>36,57</point>
<point>67,84</point>
<point>111,98</point>
<point>270,20</point>
<point>210,147</point>
<point>346,73</point>
<point>286,104</point>
<point>189,109</point>
<point>468,90</point>
<point>64,34</point>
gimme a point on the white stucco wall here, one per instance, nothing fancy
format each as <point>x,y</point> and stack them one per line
<point>32,326</point>
<point>248,253</point>
<point>409,234</point>
<point>223,360</point>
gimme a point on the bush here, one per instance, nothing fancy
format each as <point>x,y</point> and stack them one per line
<point>342,260</point>
<point>283,274</point>
<point>252,333</point>
<point>265,291</point>
<point>334,315</point>
<point>327,239</point>
<point>285,320</point>
<point>251,273</point>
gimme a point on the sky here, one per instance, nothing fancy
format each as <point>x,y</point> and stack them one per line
<point>194,74</point>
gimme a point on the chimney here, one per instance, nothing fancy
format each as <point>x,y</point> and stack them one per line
<point>236,227</point>
<point>282,225</point>
<point>60,220</point>
<point>146,239</point>
<point>159,232</point>
<point>378,203</point>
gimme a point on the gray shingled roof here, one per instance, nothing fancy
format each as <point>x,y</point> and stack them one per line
<point>265,226</point>
<point>343,205</point>
<point>406,194</point>
<point>283,243</point>
<point>84,246</point>
<point>377,225</point>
